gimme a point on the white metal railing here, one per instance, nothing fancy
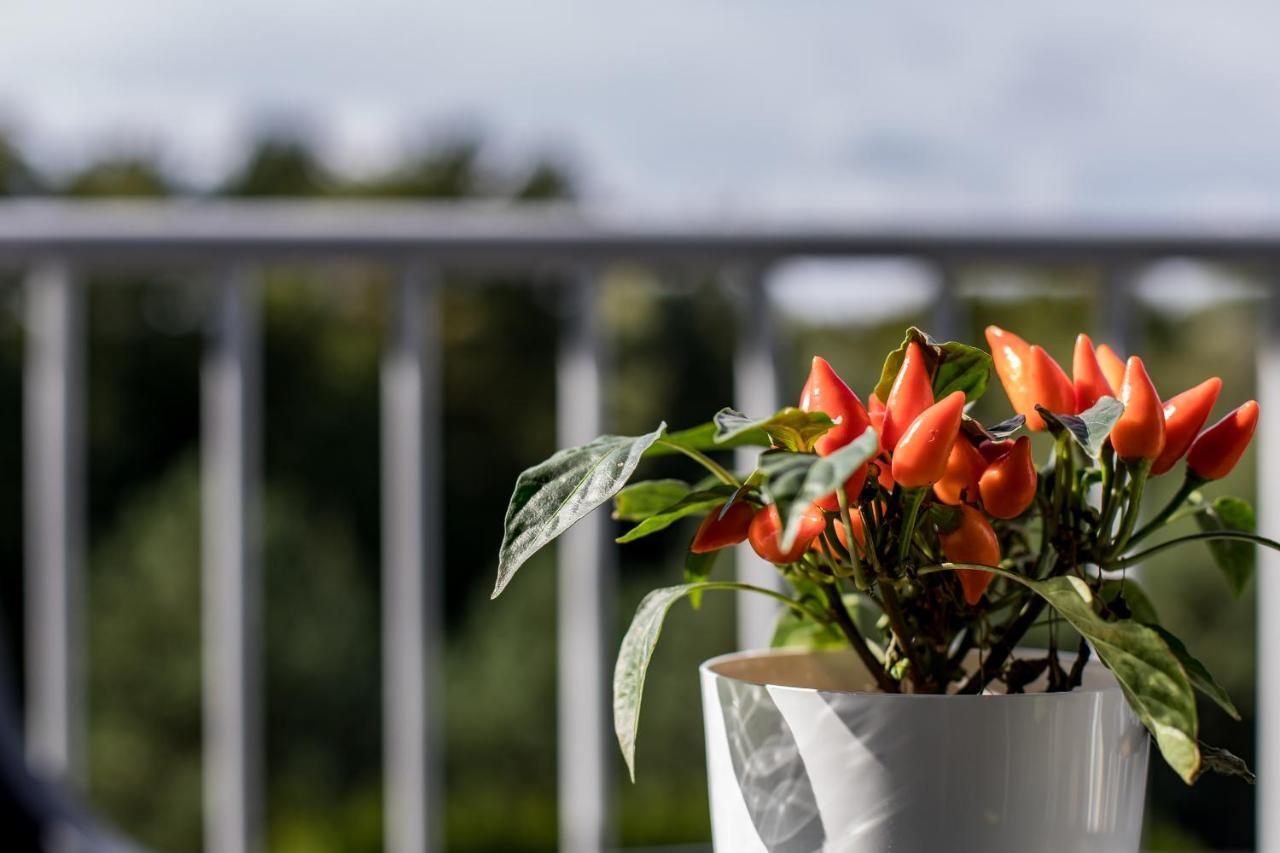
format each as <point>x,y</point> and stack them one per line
<point>55,243</point>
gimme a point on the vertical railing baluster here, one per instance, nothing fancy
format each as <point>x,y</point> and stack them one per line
<point>1116,306</point>
<point>755,382</point>
<point>947,320</point>
<point>1268,574</point>
<point>229,461</point>
<point>585,583</point>
<point>412,582</point>
<point>55,525</point>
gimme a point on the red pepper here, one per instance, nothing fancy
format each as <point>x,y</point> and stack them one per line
<point>1219,448</point>
<point>1049,386</point>
<point>852,491</point>
<point>960,482</point>
<point>971,541</point>
<point>920,459</point>
<point>1008,486</point>
<point>1090,382</point>
<point>1010,354</point>
<point>1139,434</point>
<point>1112,367</point>
<point>765,534</point>
<point>826,392</point>
<point>911,394</point>
<point>1184,416</point>
<point>993,450</point>
<point>715,532</point>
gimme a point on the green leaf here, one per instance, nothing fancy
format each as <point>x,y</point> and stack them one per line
<point>1197,672</point>
<point>1135,599</point>
<point>703,438</point>
<point>1218,760</point>
<point>954,366</point>
<point>790,428</point>
<point>995,432</point>
<point>795,630</point>
<point>793,481</point>
<point>552,496</point>
<point>637,650</point>
<point>1236,558</point>
<point>1148,671</point>
<point>638,501</point>
<point>691,503</point>
<point>697,569</point>
<point>1090,428</point>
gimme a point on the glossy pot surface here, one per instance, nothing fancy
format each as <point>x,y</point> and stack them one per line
<point>802,757</point>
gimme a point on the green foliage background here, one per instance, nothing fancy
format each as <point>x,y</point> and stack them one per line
<point>671,345</point>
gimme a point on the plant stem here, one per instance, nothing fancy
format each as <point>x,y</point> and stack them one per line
<point>1192,537</point>
<point>1189,484</point>
<point>915,497</point>
<point>1138,473</point>
<point>899,627</point>
<point>859,572</point>
<point>1000,651</point>
<point>705,461</point>
<point>850,630</point>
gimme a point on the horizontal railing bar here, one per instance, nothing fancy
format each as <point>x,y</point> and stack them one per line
<point>490,234</point>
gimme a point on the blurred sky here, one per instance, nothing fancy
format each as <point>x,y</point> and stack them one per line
<point>784,106</point>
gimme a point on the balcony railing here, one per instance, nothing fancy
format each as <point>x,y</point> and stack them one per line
<point>57,244</point>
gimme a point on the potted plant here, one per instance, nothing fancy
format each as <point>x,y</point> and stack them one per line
<point>919,547</point>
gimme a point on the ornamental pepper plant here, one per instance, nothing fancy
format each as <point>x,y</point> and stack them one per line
<point>930,543</point>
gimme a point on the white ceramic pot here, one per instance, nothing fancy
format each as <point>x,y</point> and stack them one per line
<point>801,759</point>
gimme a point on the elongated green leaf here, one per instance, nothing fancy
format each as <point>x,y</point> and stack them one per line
<point>1148,671</point>
<point>638,501</point>
<point>703,438</point>
<point>1200,677</point>
<point>793,481</point>
<point>694,502</point>
<point>790,428</point>
<point>551,497</point>
<point>1135,600</point>
<point>637,650</point>
<point>1236,558</point>
<point>1090,428</point>
<point>954,366</point>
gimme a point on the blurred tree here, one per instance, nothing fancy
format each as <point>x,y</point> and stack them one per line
<point>280,165</point>
<point>17,177</point>
<point>135,176</point>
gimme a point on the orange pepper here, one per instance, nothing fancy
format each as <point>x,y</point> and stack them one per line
<point>1139,434</point>
<point>765,534</point>
<point>1185,415</point>
<point>911,394</point>
<point>826,392</point>
<point>1049,386</point>
<point>1219,448</point>
<point>971,541</point>
<point>920,459</point>
<point>1010,354</point>
<point>1008,486</point>
<point>1090,382</point>
<point>1112,366</point>
<point>960,482</point>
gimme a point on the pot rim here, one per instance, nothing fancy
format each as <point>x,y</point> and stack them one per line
<point>708,668</point>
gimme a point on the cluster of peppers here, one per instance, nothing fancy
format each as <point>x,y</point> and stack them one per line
<point>942,487</point>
